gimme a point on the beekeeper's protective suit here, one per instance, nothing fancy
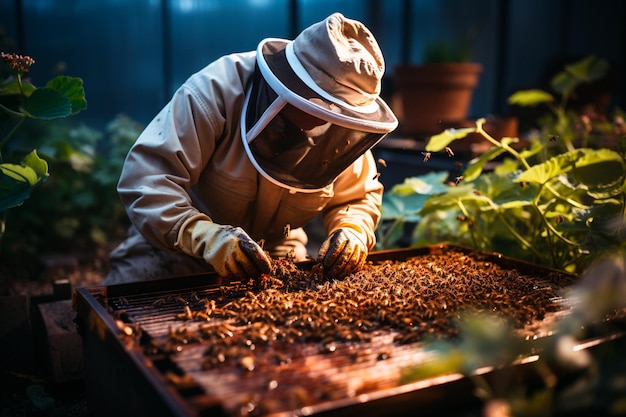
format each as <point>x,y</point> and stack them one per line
<point>252,148</point>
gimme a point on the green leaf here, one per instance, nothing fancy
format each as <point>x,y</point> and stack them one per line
<point>12,192</point>
<point>506,167</point>
<point>405,200</point>
<point>19,173</point>
<point>588,69</point>
<point>431,183</point>
<point>12,88</point>
<point>564,83</point>
<point>402,207</point>
<point>72,88</point>
<point>37,164</point>
<point>553,167</point>
<point>599,168</point>
<point>438,142</point>
<point>594,168</point>
<point>477,164</point>
<point>535,147</point>
<point>48,104</point>
<point>450,199</point>
<point>17,181</point>
<point>530,98</point>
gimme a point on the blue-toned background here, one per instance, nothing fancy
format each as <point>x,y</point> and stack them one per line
<point>132,54</point>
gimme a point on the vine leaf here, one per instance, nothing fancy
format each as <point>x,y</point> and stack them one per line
<point>438,142</point>
<point>47,104</point>
<point>591,167</point>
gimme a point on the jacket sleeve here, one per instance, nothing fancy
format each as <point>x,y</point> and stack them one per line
<point>357,199</point>
<point>171,153</point>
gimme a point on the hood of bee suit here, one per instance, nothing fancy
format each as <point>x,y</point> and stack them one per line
<point>314,106</point>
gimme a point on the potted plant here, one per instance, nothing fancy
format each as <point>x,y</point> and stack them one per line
<point>437,92</point>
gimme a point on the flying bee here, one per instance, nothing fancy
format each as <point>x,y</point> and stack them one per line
<point>426,156</point>
<point>449,151</point>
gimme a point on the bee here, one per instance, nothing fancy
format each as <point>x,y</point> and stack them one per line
<point>382,162</point>
<point>449,151</point>
<point>477,192</point>
<point>426,156</point>
<point>458,179</point>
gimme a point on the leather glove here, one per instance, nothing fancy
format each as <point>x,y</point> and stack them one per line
<point>343,252</point>
<point>229,250</point>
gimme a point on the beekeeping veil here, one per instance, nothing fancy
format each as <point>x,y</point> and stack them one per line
<point>314,105</point>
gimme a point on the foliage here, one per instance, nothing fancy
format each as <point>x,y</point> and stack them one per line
<point>20,100</point>
<point>549,203</point>
<point>573,127</point>
<point>77,208</point>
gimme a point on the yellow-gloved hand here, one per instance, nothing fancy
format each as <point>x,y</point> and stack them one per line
<point>229,250</point>
<point>342,253</point>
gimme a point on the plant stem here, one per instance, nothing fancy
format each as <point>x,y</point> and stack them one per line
<point>467,214</point>
<point>499,144</point>
<point>517,236</point>
<point>390,232</point>
<point>8,136</point>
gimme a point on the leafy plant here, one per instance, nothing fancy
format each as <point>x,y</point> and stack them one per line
<point>80,196</point>
<point>20,100</point>
<point>560,207</point>
<point>572,126</point>
<point>561,212</point>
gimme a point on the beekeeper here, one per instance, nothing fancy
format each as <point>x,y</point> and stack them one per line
<point>252,148</point>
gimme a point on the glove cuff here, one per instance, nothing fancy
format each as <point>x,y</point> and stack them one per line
<point>185,241</point>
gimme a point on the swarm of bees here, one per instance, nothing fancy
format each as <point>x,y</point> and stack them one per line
<point>416,297</point>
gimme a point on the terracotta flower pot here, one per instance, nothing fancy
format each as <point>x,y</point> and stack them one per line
<point>431,95</point>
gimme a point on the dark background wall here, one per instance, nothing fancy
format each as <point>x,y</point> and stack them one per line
<point>132,54</point>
